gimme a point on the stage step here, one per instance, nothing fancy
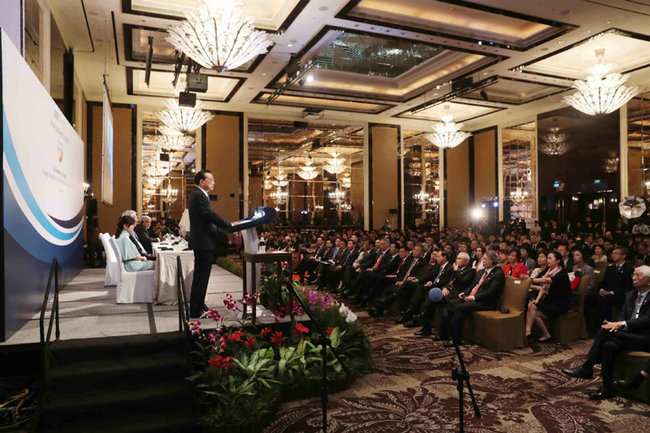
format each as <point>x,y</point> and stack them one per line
<point>127,384</point>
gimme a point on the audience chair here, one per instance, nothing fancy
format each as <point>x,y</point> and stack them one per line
<point>112,271</point>
<point>628,364</point>
<point>132,287</point>
<point>498,331</point>
<point>571,326</point>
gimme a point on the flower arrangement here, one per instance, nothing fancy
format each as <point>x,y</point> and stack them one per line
<point>241,371</point>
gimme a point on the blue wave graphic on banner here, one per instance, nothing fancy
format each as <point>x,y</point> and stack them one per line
<point>19,177</point>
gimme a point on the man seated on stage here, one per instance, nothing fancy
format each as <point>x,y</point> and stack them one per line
<point>616,283</point>
<point>135,239</point>
<point>142,230</point>
<point>462,276</point>
<point>631,332</point>
<point>387,264</point>
<point>482,295</point>
<point>391,293</point>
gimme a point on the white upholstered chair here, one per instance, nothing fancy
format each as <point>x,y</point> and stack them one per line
<point>132,287</point>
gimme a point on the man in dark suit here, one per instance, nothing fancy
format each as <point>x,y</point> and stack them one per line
<point>621,227</point>
<point>616,283</point>
<point>439,271</point>
<point>387,264</point>
<point>382,259</point>
<point>391,293</point>
<point>567,262</point>
<point>142,230</point>
<point>335,276</point>
<point>631,332</point>
<point>204,223</point>
<point>482,295</point>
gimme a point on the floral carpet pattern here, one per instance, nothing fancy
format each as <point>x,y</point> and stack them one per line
<point>411,390</point>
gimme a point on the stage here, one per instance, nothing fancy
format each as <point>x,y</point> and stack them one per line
<point>88,310</point>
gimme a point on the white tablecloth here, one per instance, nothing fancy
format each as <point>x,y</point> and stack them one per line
<point>165,276</point>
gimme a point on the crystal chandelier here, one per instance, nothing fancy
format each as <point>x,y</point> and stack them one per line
<point>279,197</point>
<point>174,143</point>
<point>335,165</point>
<point>611,165</point>
<point>448,134</point>
<point>267,184</point>
<point>346,182</point>
<point>422,198</point>
<point>183,119</point>
<point>519,197</point>
<point>155,170</point>
<point>554,143</point>
<point>170,195</point>
<point>218,37</point>
<point>307,172</point>
<point>280,180</point>
<point>603,91</point>
<point>337,196</point>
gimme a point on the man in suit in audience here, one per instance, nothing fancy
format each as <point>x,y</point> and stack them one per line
<point>142,230</point>
<point>388,265</point>
<point>323,269</point>
<point>483,295</point>
<point>567,261</point>
<point>391,293</point>
<point>365,260</point>
<point>383,257</point>
<point>630,332</point>
<point>205,223</point>
<point>335,276</point>
<point>461,276</point>
<point>616,283</point>
<point>308,263</point>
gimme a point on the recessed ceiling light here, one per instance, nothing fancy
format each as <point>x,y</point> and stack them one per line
<point>264,74</point>
<point>484,73</point>
<point>289,45</point>
<point>566,12</point>
<point>560,42</point>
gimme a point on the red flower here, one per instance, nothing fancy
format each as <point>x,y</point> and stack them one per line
<point>300,329</point>
<point>249,342</point>
<point>277,338</point>
<point>236,336</point>
<point>265,331</point>
<point>221,362</point>
<point>329,331</point>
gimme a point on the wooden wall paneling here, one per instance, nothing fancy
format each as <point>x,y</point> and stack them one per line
<point>385,195</point>
<point>485,159</point>
<point>457,193</point>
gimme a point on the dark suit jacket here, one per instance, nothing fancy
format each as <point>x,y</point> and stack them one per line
<point>342,257</point>
<point>144,238</point>
<point>445,276</point>
<point>385,260</point>
<point>642,324</point>
<point>462,278</point>
<point>619,282</point>
<point>204,222</point>
<point>392,265</point>
<point>368,260</point>
<point>417,269</point>
<point>490,291</point>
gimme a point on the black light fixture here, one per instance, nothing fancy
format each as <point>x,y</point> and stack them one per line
<point>149,60</point>
<point>484,95</point>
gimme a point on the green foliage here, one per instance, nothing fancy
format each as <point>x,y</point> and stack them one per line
<point>230,266</point>
<point>274,295</point>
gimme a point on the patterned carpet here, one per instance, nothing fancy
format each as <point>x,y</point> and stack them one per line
<point>410,390</point>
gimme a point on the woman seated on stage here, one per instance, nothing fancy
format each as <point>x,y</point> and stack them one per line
<point>133,261</point>
<point>515,268</point>
<point>553,300</point>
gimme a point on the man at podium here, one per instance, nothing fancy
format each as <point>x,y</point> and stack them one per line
<point>204,222</point>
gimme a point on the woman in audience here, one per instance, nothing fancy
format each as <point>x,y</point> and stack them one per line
<point>599,254</point>
<point>526,259</point>
<point>538,272</point>
<point>582,267</point>
<point>553,300</point>
<point>503,257</point>
<point>478,263</point>
<point>133,261</point>
<point>515,268</point>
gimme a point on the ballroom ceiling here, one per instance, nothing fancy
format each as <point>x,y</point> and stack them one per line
<point>381,61</point>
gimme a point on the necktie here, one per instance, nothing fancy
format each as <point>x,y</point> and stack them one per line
<point>440,273</point>
<point>637,306</point>
<point>378,260</point>
<point>475,289</point>
<point>410,269</point>
<point>400,265</point>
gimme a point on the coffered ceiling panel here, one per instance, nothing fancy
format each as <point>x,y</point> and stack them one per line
<point>457,19</point>
<point>273,15</point>
<point>461,112</point>
<point>511,91</point>
<point>160,84</point>
<point>628,51</point>
<point>381,67</point>
<point>299,100</point>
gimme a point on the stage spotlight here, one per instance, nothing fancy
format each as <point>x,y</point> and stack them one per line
<point>477,214</point>
<point>495,204</point>
<point>484,95</point>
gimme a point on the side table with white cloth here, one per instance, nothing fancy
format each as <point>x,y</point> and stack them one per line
<point>165,277</point>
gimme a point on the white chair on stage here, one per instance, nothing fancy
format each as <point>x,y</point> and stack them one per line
<point>132,287</point>
<point>112,267</point>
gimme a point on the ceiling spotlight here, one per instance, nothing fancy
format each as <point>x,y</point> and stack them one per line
<point>484,95</point>
<point>289,45</point>
<point>310,78</point>
<point>560,42</point>
<point>495,204</point>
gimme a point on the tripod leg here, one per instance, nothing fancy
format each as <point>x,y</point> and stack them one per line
<point>460,405</point>
<point>324,390</point>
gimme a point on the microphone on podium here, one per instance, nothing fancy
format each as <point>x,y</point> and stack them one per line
<point>232,195</point>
